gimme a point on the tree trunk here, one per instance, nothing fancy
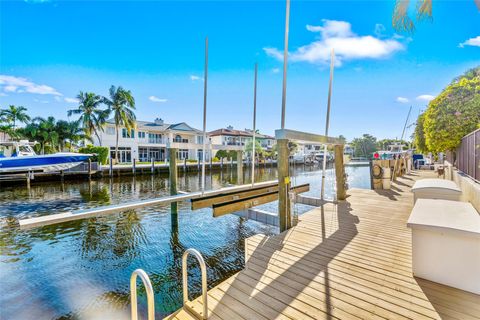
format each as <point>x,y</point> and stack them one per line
<point>98,137</point>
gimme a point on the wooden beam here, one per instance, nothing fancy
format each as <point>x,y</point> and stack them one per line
<point>340,172</point>
<point>206,202</point>
<point>221,209</point>
<point>240,167</point>
<point>305,137</point>
<point>173,177</point>
<point>283,184</point>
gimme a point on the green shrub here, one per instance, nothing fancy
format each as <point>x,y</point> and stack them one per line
<point>100,153</point>
<point>215,159</point>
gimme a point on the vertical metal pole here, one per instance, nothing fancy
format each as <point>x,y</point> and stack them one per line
<point>283,152</point>
<point>205,115</point>
<point>285,62</point>
<point>327,122</point>
<point>254,122</point>
<point>393,177</point>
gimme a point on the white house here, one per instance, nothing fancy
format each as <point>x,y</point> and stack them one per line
<point>231,137</point>
<point>150,140</point>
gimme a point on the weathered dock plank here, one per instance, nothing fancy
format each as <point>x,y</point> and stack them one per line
<point>342,261</point>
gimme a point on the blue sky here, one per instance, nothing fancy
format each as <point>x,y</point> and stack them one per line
<point>50,50</point>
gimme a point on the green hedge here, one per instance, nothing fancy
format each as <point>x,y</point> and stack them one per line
<point>100,153</point>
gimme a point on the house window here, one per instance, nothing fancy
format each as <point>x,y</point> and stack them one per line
<point>183,154</point>
<point>154,138</point>
<point>111,131</point>
<point>125,133</point>
<point>141,134</point>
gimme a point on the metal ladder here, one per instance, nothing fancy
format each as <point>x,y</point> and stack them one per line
<point>133,294</point>
<point>203,268</point>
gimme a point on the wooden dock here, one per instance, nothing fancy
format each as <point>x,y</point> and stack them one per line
<point>345,261</point>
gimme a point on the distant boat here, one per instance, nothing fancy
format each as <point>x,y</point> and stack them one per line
<point>19,157</point>
<point>395,151</point>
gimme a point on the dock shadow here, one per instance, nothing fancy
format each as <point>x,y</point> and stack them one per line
<point>285,257</point>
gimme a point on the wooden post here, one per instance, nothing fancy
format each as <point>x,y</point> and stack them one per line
<point>283,185</point>
<point>240,166</point>
<point>134,167</point>
<point>185,165</point>
<point>89,167</point>
<point>173,176</point>
<point>340,172</point>
<point>110,170</point>
<point>152,169</point>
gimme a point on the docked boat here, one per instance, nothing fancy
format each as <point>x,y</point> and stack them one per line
<point>19,157</point>
<point>395,151</point>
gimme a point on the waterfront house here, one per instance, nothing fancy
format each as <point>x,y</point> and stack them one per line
<point>232,137</point>
<point>150,140</point>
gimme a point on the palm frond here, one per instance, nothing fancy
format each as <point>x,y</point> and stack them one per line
<point>424,10</point>
<point>401,20</point>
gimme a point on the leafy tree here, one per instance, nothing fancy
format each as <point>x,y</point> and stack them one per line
<point>384,143</point>
<point>100,153</point>
<point>91,117</point>
<point>13,114</point>
<point>70,133</point>
<point>365,145</point>
<point>43,131</point>
<point>342,139</point>
<point>419,135</point>
<point>258,148</point>
<point>453,113</point>
<point>122,104</point>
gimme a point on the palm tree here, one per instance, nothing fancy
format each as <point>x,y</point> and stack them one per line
<point>91,117</point>
<point>44,131</point>
<point>14,114</point>
<point>70,132</point>
<point>122,104</point>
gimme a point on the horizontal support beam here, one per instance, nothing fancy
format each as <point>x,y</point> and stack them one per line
<point>208,201</point>
<point>305,137</point>
<point>104,210</point>
<point>247,203</point>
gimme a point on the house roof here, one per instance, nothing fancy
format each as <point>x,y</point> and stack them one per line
<point>237,133</point>
<point>151,125</point>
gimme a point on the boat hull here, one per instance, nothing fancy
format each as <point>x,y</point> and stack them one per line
<point>42,163</point>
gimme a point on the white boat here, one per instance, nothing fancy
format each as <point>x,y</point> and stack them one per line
<point>395,151</point>
<point>19,157</point>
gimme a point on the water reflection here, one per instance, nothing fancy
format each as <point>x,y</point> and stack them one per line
<point>81,269</point>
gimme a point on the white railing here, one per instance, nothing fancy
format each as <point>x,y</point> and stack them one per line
<point>133,294</point>
<point>203,268</point>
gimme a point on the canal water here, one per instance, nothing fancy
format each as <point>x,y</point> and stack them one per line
<point>81,269</point>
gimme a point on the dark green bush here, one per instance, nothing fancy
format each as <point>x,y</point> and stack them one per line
<point>100,153</point>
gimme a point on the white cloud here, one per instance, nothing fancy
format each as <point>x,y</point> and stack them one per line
<point>40,101</point>
<point>156,99</point>
<point>10,88</point>
<point>19,85</point>
<point>195,78</point>
<point>402,100</point>
<point>425,97</point>
<point>70,100</point>
<point>276,70</point>
<point>474,42</point>
<point>3,94</point>
<point>338,35</point>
